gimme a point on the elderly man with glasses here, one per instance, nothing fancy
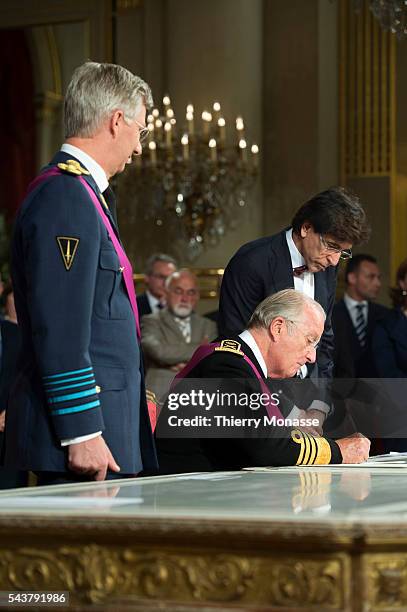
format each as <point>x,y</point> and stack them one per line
<point>303,256</point>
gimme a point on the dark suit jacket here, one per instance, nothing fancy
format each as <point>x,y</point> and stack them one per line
<point>389,345</point>
<point>143,305</point>
<point>261,268</point>
<point>351,361</point>
<point>176,455</point>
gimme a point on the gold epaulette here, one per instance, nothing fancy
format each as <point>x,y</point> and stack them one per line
<point>151,397</point>
<point>314,450</point>
<point>72,167</point>
<point>230,346</point>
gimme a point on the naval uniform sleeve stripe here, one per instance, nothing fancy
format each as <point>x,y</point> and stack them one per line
<point>73,409</point>
<point>67,373</point>
<point>314,451</point>
<point>307,450</point>
<point>72,396</point>
<point>63,381</point>
<point>92,381</point>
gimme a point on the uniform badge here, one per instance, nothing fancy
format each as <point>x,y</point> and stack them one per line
<point>72,166</point>
<point>68,247</point>
<point>230,346</point>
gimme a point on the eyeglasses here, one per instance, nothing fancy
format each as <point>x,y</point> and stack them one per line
<point>311,344</point>
<point>143,132</point>
<point>331,247</point>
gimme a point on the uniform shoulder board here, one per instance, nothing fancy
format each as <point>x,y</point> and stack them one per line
<point>230,346</point>
<point>72,166</point>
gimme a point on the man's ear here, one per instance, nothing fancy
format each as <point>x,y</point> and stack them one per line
<point>276,327</point>
<point>115,122</point>
<point>305,228</point>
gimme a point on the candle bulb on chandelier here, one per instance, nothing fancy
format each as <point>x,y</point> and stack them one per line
<point>243,149</point>
<point>150,118</point>
<point>240,128</point>
<point>155,113</point>
<point>166,101</point>
<point>169,113</point>
<point>153,154</point>
<point>190,120</point>
<point>168,134</point>
<point>255,154</point>
<point>185,147</point>
<point>216,110</point>
<point>212,147</point>
<point>206,118</point>
<point>222,130</point>
<point>158,126</point>
<point>150,127</point>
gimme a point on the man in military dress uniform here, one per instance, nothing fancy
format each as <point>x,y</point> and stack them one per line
<point>78,408</point>
<point>282,335</point>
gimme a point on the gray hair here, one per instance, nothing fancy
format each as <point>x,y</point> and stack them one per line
<point>289,304</point>
<point>97,90</point>
<point>158,257</point>
<point>178,274</point>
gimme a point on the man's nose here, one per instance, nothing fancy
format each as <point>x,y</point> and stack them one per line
<point>311,354</point>
<point>333,259</point>
<point>139,148</point>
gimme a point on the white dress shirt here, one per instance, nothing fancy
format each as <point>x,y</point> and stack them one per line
<point>99,176</point>
<point>153,301</point>
<point>306,284</point>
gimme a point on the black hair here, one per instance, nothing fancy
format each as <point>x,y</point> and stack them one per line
<point>336,212</point>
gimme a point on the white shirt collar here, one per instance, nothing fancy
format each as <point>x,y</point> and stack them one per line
<point>152,300</point>
<point>251,343</point>
<point>351,303</point>
<point>97,172</point>
<point>296,257</point>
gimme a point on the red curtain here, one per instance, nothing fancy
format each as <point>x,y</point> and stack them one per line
<point>17,132</point>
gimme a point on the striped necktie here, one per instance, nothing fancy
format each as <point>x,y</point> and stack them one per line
<point>360,326</point>
<point>185,327</point>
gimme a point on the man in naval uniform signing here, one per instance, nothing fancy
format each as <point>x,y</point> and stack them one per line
<point>282,335</point>
<point>78,409</point>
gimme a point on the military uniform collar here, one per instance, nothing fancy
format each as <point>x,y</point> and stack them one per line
<point>97,172</point>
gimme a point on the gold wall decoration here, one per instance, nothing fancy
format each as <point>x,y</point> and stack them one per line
<point>367,93</point>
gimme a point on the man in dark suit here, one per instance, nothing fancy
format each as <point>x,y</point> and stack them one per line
<point>354,318</point>
<point>158,268</point>
<point>281,336</point>
<point>77,409</point>
<point>304,256</point>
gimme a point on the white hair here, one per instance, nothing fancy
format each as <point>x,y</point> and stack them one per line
<point>177,274</point>
<point>97,90</point>
<point>289,304</point>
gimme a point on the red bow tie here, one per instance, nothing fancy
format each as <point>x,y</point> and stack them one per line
<point>299,270</point>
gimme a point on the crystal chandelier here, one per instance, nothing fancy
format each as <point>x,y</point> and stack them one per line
<point>391,14</point>
<point>192,181</point>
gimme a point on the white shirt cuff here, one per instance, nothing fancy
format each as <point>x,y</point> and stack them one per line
<point>69,441</point>
<point>320,405</point>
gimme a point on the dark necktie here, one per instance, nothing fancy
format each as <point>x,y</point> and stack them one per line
<point>299,270</point>
<point>110,198</point>
<point>360,326</point>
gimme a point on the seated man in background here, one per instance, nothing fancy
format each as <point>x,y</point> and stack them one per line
<point>282,335</point>
<point>170,336</point>
<point>158,268</point>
